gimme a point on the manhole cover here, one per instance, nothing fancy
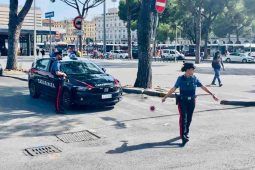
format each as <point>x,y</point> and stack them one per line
<point>77,136</point>
<point>42,150</point>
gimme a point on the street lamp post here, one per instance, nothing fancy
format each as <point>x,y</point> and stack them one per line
<point>104,28</point>
<point>198,33</point>
<point>251,41</point>
<point>114,33</point>
<point>34,30</point>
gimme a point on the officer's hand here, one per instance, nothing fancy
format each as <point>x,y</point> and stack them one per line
<point>64,75</point>
<point>215,98</point>
<point>163,100</point>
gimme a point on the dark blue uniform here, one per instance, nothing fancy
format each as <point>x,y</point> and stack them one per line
<point>58,84</point>
<point>186,101</point>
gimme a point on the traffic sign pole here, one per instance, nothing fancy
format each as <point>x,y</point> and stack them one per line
<point>50,37</point>
<point>50,15</point>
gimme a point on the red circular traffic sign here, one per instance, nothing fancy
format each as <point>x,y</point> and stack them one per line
<point>160,5</point>
<point>77,22</point>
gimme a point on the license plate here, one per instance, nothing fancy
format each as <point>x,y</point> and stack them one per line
<point>107,96</point>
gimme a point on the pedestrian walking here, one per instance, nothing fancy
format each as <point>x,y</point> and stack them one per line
<point>59,80</point>
<point>186,100</point>
<point>21,51</point>
<point>217,64</point>
<point>37,51</point>
<point>43,52</point>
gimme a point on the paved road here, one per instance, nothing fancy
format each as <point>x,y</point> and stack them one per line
<point>132,136</point>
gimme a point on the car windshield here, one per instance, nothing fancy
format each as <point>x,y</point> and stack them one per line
<point>80,68</point>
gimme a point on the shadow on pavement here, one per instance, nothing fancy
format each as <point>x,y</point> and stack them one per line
<point>117,125</point>
<point>165,144</point>
<point>211,110</point>
<point>20,115</point>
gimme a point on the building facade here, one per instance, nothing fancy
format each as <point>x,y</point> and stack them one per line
<point>27,31</point>
<point>90,30</point>
<point>116,30</point>
<point>56,26</point>
<point>28,21</point>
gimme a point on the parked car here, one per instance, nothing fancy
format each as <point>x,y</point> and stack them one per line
<point>108,55</point>
<point>119,54</point>
<point>1,70</point>
<point>238,57</point>
<point>172,55</point>
<point>86,83</point>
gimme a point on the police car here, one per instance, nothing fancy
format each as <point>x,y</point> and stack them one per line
<point>86,83</point>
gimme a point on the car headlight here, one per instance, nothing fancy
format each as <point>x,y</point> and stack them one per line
<point>81,88</point>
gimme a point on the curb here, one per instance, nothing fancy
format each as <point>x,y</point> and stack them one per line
<point>148,92</point>
<point>238,103</point>
<point>14,77</point>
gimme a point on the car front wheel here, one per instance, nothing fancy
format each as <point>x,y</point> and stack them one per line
<point>244,61</point>
<point>228,60</point>
<point>67,99</point>
<point>33,90</point>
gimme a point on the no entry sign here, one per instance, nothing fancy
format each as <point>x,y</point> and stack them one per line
<point>160,5</point>
<point>77,22</point>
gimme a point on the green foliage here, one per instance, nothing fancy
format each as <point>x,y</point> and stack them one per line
<point>134,8</point>
<point>164,32</point>
<point>237,16</point>
<point>222,17</point>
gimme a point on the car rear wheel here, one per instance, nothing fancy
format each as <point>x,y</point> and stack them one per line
<point>67,99</point>
<point>244,61</point>
<point>1,72</point>
<point>228,60</point>
<point>34,93</point>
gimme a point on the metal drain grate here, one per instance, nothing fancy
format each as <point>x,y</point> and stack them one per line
<point>77,136</point>
<point>42,150</point>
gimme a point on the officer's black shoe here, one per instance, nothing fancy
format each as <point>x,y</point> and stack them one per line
<point>187,136</point>
<point>60,111</point>
<point>221,85</point>
<point>184,141</point>
<point>213,84</point>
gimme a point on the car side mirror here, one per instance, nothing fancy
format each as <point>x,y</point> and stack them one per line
<point>104,70</point>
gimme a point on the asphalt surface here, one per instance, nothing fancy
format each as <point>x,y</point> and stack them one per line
<point>131,136</point>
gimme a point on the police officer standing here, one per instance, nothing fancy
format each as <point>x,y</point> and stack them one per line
<point>59,80</point>
<point>186,100</point>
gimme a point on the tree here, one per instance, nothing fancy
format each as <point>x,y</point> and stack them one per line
<point>164,32</point>
<point>237,16</point>
<point>212,9</point>
<point>15,23</point>
<point>89,40</point>
<point>195,7</point>
<point>144,32</point>
<point>128,12</point>
<point>82,7</point>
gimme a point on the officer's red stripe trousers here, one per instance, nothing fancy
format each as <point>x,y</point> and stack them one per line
<point>58,97</point>
<point>180,119</point>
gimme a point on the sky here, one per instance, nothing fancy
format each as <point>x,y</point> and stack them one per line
<point>63,11</point>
